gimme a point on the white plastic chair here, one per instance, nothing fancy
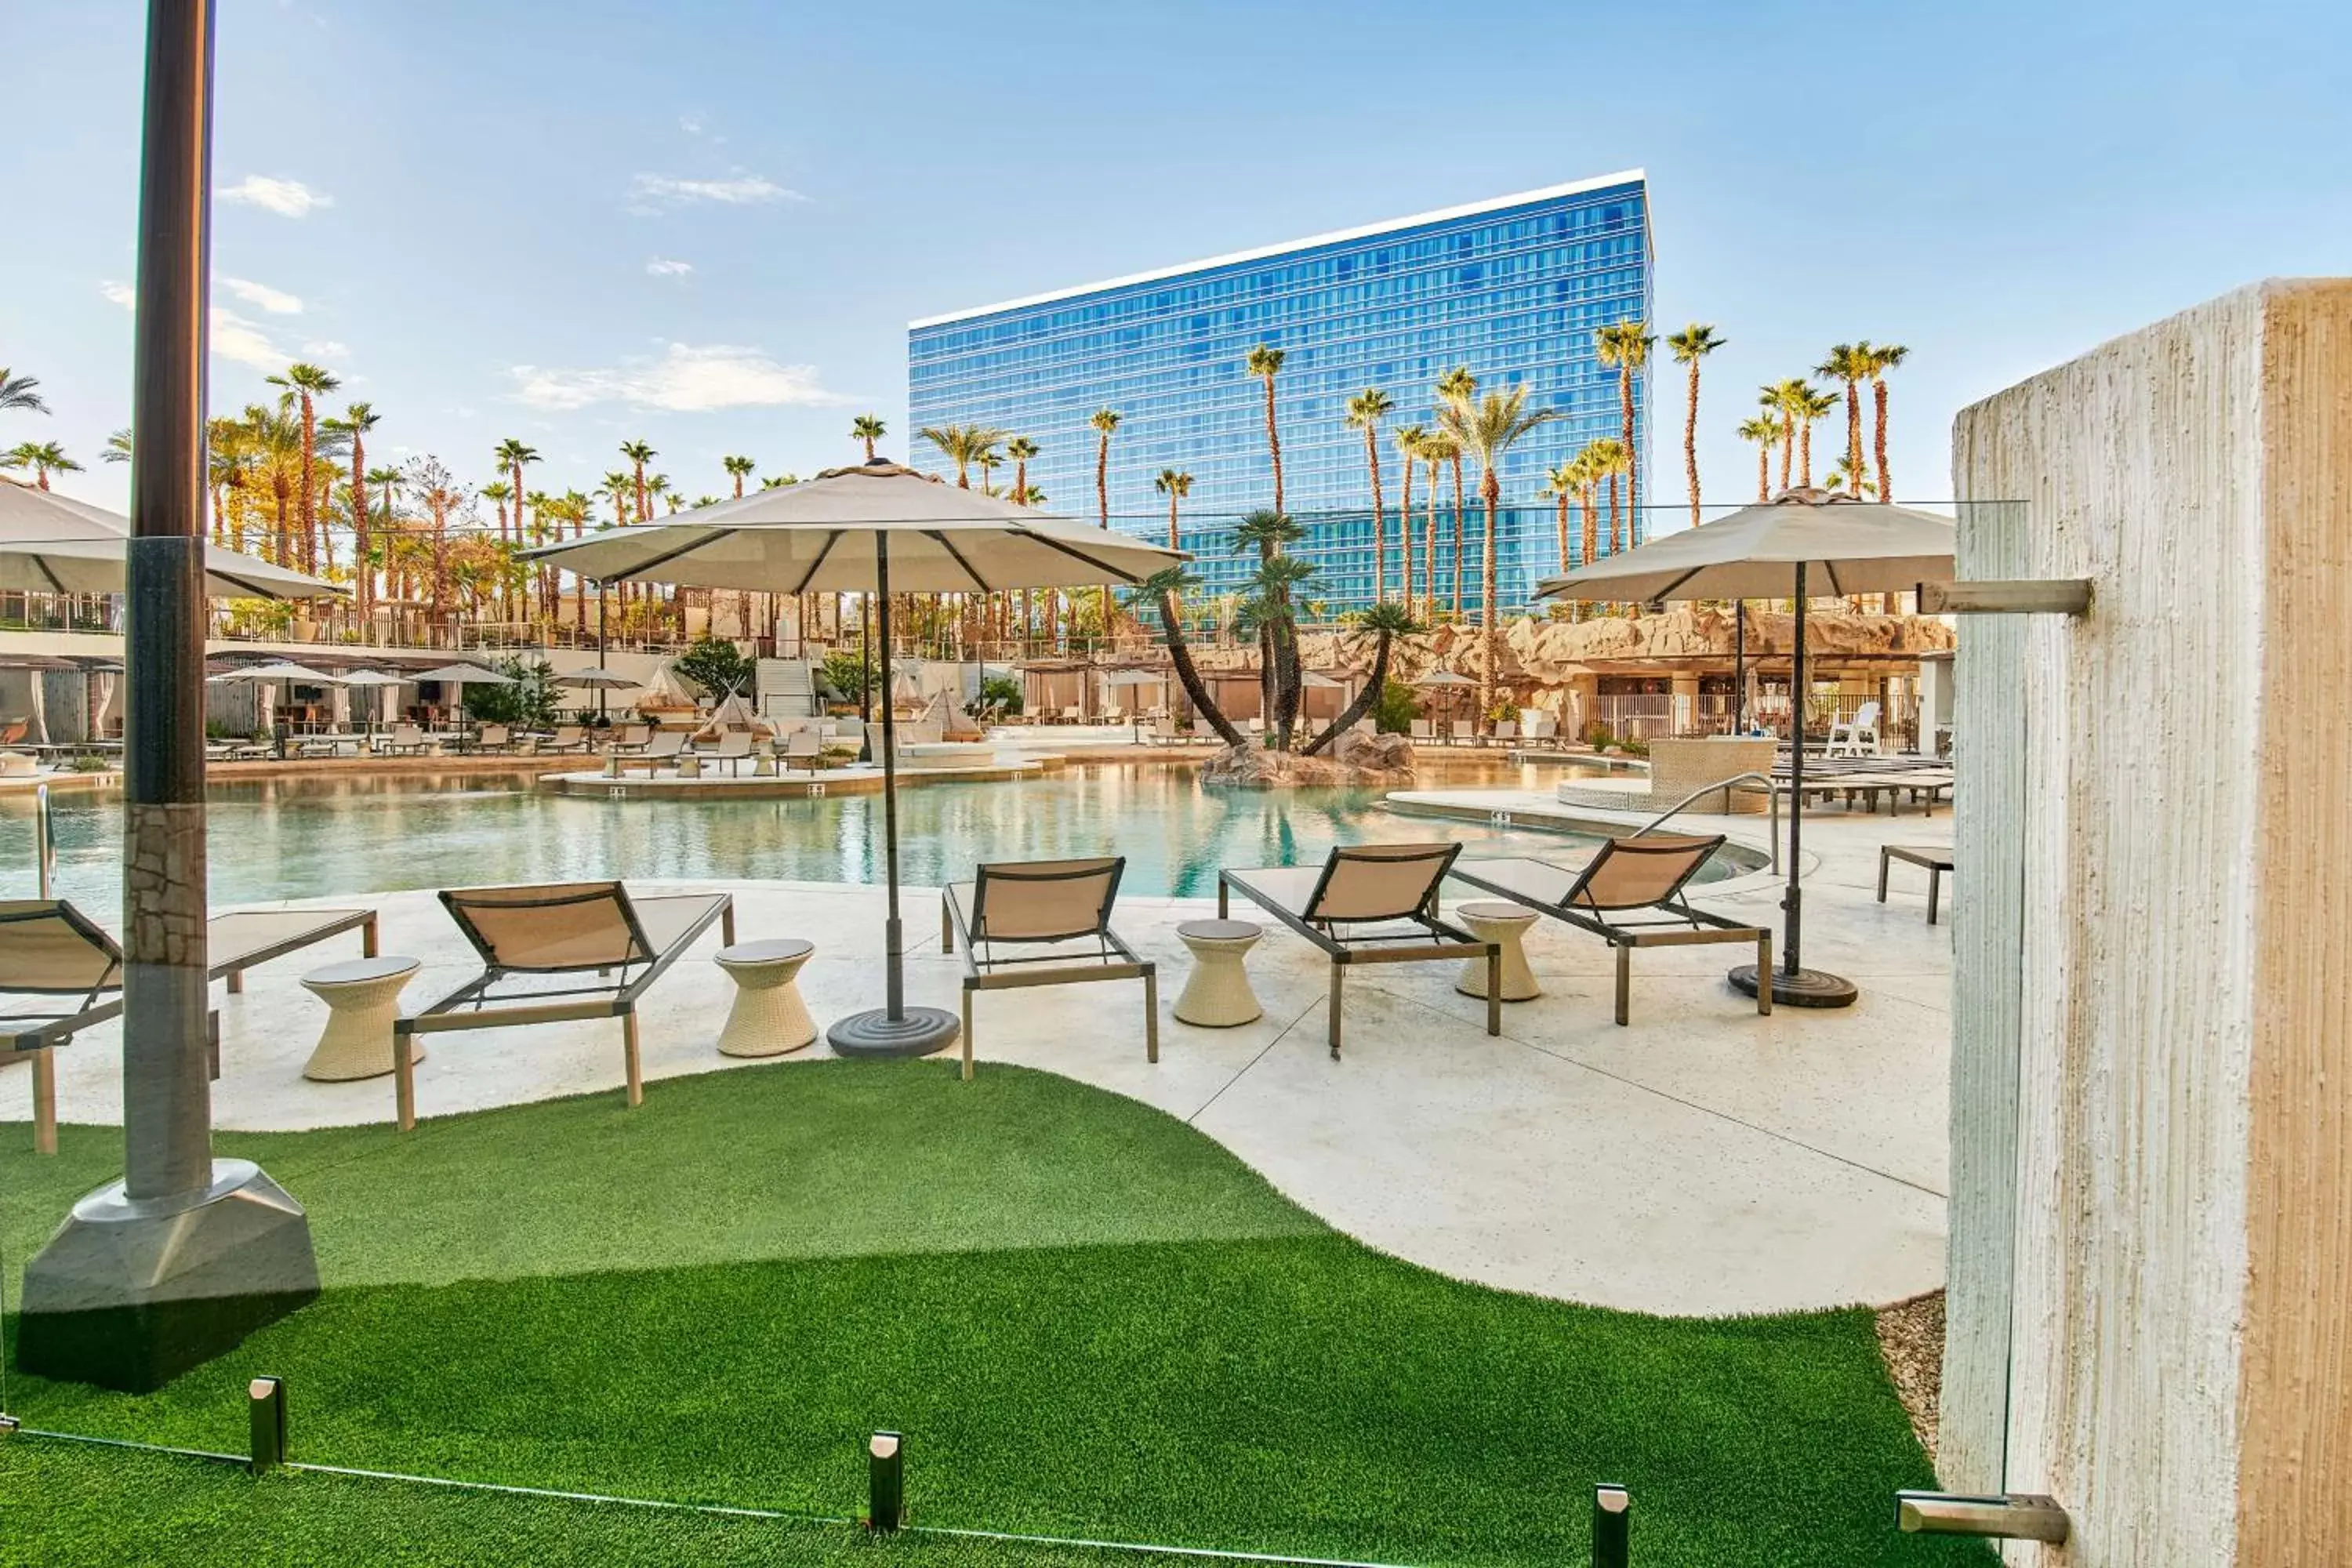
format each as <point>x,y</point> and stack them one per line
<point>1857,737</point>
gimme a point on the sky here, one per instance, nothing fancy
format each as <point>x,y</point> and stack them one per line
<point>707,224</point>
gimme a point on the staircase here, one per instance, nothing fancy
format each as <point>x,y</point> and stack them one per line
<point>788,688</point>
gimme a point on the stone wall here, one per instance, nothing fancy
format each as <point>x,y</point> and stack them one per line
<point>2151,1273</point>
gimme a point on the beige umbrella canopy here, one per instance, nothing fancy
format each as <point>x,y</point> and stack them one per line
<point>823,537</point>
<point>54,544</point>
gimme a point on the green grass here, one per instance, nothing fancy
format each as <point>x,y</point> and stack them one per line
<point>1089,1321</point>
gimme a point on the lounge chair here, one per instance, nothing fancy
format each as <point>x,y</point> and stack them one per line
<point>633,738</point>
<point>1506,732</point>
<point>667,746</point>
<point>803,746</point>
<point>1466,733</point>
<point>734,749</point>
<point>1044,903</point>
<point>49,948</point>
<point>1856,737</point>
<point>493,737</point>
<point>1629,879</point>
<point>1353,905</point>
<point>567,738</point>
<point>403,738</point>
<point>1425,730</point>
<point>1543,730</point>
<point>564,929</point>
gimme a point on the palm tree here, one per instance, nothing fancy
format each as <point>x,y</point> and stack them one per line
<point>639,453</point>
<point>1269,609</point>
<point>511,455</point>
<point>224,454</point>
<point>1021,449</point>
<point>1626,346</point>
<point>1265,362</point>
<point>962,445</point>
<point>1488,429</point>
<point>1365,412</point>
<point>274,437</point>
<point>1690,345</point>
<point>1850,362</point>
<point>356,421</point>
<point>1268,532</point>
<point>1855,481</point>
<point>1784,398</point>
<point>118,448</point>
<point>496,493</point>
<point>1807,404</point>
<point>388,481</point>
<point>868,429</point>
<point>1385,623</point>
<point>1175,484</point>
<point>1587,469</point>
<point>1456,385</point>
<point>1764,430</point>
<point>308,383</point>
<point>45,458</point>
<point>739,470</point>
<point>1608,458</point>
<point>1562,483</point>
<point>1164,588</point>
<point>1438,449</point>
<point>1884,357</point>
<point>1105,420</point>
<point>16,392</point>
<point>1408,445</point>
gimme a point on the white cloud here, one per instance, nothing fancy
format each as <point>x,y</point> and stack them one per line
<point>739,189</point>
<point>276,301</point>
<point>326,348</point>
<point>287,198</point>
<point>685,380</point>
<point>693,124</point>
<point>122,294</point>
<point>667,267</point>
<point>235,338</point>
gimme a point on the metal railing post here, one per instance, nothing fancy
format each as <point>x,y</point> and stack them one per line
<point>45,841</point>
<point>1771,793</point>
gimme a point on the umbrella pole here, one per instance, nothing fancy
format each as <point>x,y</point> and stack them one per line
<point>1792,984</point>
<point>1739,667</point>
<point>896,1031</point>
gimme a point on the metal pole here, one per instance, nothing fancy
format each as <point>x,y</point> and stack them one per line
<point>1792,937</point>
<point>894,937</point>
<point>600,648</point>
<point>1739,669</point>
<point>45,839</point>
<point>166,1094</point>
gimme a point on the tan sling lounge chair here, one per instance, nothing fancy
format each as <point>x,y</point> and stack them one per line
<point>1630,879</point>
<point>1044,903</point>
<point>803,746</point>
<point>529,935</point>
<point>667,746</point>
<point>49,948</point>
<point>734,749</point>
<point>1369,903</point>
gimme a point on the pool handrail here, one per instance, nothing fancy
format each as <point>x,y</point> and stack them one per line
<point>1771,793</point>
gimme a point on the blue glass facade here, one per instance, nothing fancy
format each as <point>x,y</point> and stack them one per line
<point>1513,289</point>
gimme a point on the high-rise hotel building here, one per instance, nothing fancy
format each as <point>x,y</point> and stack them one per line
<point>1512,287</point>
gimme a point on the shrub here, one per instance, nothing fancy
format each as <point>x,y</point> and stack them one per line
<point>998,694</point>
<point>1395,709</point>
<point>838,677</point>
<point>718,666</point>
<point>529,704</point>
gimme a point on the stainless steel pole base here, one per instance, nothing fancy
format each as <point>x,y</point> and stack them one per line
<point>132,1293</point>
<point>919,1032</point>
<point>1805,988</point>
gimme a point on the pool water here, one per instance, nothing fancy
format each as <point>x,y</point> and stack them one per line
<point>313,837</point>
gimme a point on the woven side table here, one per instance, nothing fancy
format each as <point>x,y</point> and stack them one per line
<point>363,998</point>
<point>1504,923</point>
<point>769,1018</point>
<point>1217,993</point>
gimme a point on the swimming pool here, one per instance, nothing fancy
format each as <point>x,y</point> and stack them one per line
<point>317,836</point>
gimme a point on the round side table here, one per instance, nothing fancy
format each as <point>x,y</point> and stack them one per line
<point>363,998</point>
<point>769,1018</point>
<point>1217,993</point>
<point>1504,923</point>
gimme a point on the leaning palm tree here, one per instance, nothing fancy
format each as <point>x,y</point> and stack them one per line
<point>1384,624</point>
<point>868,429</point>
<point>1265,362</point>
<point>1021,449</point>
<point>308,383</point>
<point>1764,430</point>
<point>1850,362</point>
<point>1269,609</point>
<point>1175,484</point>
<point>17,393</point>
<point>44,458</point>
<point>1165,588</point>
<point>1268,532</point>
<point>1408,445</point>
<point>1365,412</point>
<point>1884,357</point>
<point>1488,429</point>
<point>739,470</point>
<point>1626,346</point>
<point>1690,345</point>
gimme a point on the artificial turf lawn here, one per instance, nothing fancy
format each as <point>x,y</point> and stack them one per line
<point>1088,1319</point>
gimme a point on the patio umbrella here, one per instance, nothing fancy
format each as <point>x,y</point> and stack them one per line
<point>1445,677</point>
<point>462,676</point>
<point>377,679</point>
<point>52,543</point>
<point>276,672</point>
<point>599,678</point>
<point>1762,552</point>
<point>886,529</point>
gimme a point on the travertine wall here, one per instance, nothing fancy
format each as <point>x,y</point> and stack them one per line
<point>2151,1276</point>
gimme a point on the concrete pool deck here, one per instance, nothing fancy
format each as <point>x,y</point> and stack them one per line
<point>1704,1161</point>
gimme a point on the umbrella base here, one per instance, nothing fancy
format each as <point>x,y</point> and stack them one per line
<point>1806,988</point>
<point>877,1035</point>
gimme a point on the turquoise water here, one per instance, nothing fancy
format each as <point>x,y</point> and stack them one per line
<point>314,837</point>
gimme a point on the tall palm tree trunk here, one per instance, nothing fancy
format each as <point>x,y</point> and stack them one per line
<point>1584,499</point>
<point>1380,518</point>
<point>1763,470</point>
<point>1373,683</point>
<point>1690,441</point>
<point>1632,457</point>
<point>1885,479</point>
<point>1429,549</point>
<point>1196,691</point>
<point>1788,449</point>
<point>1273,442</point>
<point>1404,537</point>
<point>1561,523</point>
<point>1854,431</point>
<point>1458,509</point>
<point>1490,636</point>
<point>1616,539</point>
